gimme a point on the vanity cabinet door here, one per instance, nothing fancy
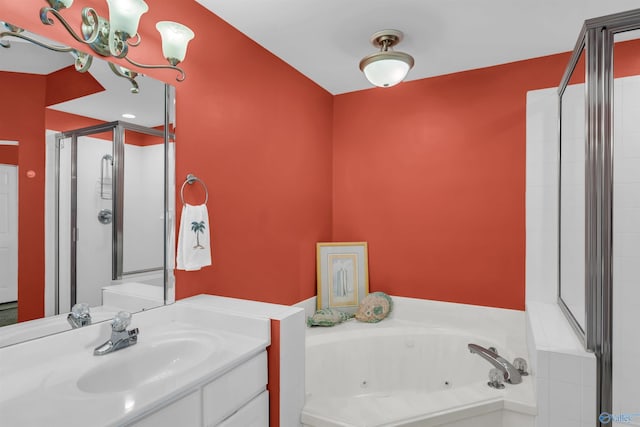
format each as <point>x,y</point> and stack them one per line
<point>253,414</point>
<point>230,392</point>
<point>184,413</point>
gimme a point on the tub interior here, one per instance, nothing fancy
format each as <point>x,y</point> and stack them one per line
<point>391,360</point>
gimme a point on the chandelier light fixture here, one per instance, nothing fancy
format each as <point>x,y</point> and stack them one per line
<point>387,67</point>
<point>112,37</point>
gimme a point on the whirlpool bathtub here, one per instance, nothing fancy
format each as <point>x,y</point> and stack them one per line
<point>403,372</point>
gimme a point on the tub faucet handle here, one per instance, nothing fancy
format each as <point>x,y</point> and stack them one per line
<point>496,379</point>
<point>521,365</point>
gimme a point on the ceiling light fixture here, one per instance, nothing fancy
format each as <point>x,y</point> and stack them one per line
<point>387,67</point>
<point>129,116</point>
<point>112,37</point>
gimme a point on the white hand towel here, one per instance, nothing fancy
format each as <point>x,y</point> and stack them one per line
<point>194,249</point>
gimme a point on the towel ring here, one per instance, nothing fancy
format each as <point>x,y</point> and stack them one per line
<point>191,178</point>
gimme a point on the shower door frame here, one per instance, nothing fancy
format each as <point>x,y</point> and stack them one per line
<point>118,128</point>
<point>597,38</point>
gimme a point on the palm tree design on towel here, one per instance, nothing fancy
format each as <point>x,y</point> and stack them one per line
<point>198,227</point>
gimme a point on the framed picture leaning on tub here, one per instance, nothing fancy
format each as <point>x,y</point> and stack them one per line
<point>342,275</point>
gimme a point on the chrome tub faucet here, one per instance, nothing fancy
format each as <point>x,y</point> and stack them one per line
<point>120,336</point>
<point>511,374</point>
<point>80,315</point>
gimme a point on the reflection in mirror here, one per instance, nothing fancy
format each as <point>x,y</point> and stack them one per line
<point>89,191</point>
<point>572,194</point>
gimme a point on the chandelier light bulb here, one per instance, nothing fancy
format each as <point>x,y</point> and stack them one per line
<point>175,38</point>
<point>124,15</point>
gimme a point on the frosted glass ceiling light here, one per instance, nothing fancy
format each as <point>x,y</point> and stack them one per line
<point>111,37</point>
<point>386,68</point>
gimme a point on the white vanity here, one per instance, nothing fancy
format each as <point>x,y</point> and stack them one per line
<point>192,365</point>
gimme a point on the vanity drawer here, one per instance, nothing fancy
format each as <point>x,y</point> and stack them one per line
<point>184,412</point>
<point>225,395</point>
<point>253,414</point>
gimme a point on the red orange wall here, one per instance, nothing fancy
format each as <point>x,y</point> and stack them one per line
<point>432,174</point>
<point>23,121</point>
<point>257,132</point>
<point>9,154</point>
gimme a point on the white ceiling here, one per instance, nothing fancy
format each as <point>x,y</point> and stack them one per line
<point>325,39</point>
<point>107,105</point>
<point>117,99</point>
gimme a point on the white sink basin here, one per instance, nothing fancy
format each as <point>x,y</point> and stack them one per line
<point>148,361</point>
<point>180,347</point>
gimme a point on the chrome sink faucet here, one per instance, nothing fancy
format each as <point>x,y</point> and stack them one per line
<point>511,374</point>
<point>80,315</point>
<point>120,336</point>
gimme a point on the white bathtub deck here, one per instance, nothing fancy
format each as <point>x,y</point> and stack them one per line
<point>408,407</point>
<point>415,401</point>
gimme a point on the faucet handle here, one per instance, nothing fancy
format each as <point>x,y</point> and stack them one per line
<point>80,310</point>
<point>121,321</point>
<point>79,316</point>
<point>521,365</point>
<point>496,379</point>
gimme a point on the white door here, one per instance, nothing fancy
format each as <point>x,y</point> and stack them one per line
<point>8,233</point>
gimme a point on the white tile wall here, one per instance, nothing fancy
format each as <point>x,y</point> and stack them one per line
<point>564,373</point>
<point>626,253</point>
<point>541,195</point>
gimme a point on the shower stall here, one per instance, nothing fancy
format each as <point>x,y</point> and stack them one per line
<point>599,207</point>
<point>109,210</point>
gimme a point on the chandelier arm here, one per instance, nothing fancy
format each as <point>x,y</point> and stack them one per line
<point>134,84</point>
<point>89,16</point>
<point>118,46</point>
<point>179,78</point>
<point>83,61</point>
<point>138,40</point>
<point>29,39</point>
<point>91,19</point>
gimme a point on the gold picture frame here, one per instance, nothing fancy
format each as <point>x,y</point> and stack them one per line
<point>342,270</point>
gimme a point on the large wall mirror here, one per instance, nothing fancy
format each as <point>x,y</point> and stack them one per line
<point>87,181</point>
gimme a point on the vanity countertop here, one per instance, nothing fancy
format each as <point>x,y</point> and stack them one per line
<point>57,381</point>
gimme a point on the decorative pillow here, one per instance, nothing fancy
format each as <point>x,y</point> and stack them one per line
<point>328,317</point>
<point>374,307</point>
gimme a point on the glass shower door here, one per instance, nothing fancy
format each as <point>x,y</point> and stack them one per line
<point>94,188</point>
<point>572,196</point>
<point>102,170</point>
<point>143,218</point>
